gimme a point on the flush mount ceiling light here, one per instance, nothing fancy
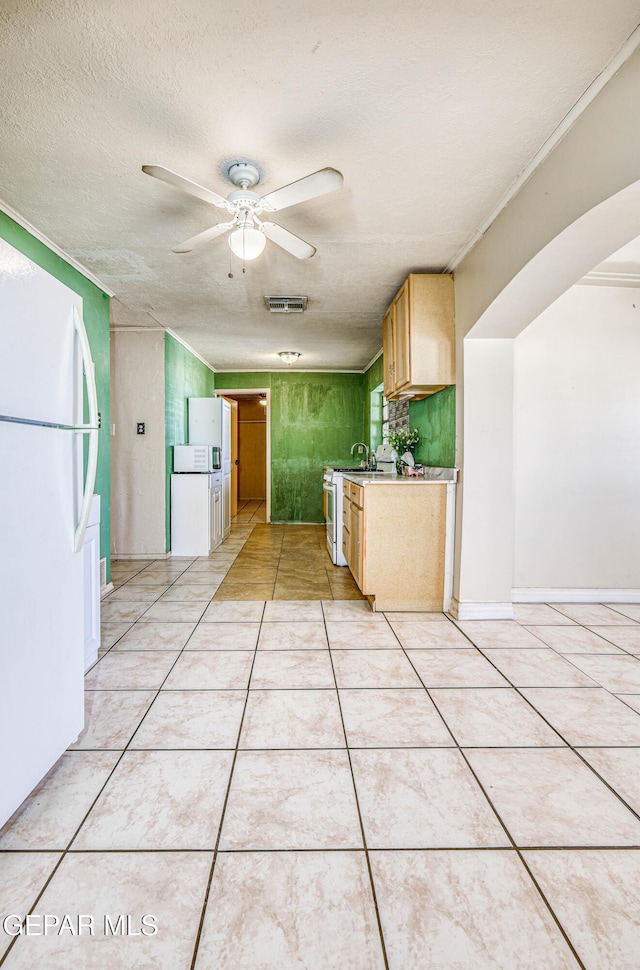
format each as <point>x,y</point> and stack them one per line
<point>289,356</point>
<point>263,400</point>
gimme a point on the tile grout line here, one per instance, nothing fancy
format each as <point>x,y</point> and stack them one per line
<point>570,746</point>
<point>68,848</point>
<point>205,901</point>
<point>357,800</point>
<point>122,751</point>
<point>493,807</point>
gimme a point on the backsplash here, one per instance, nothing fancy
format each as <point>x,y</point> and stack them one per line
<point>399,416</point>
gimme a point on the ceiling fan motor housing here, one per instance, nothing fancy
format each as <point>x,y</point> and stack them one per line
<point>244,174</point>
<point>243,198</point>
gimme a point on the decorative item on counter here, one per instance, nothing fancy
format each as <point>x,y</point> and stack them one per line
<point>386,458</point>
<point>409,467</point>
<point>402,442</point>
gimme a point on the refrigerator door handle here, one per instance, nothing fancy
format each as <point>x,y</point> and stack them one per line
<point>92,395</point>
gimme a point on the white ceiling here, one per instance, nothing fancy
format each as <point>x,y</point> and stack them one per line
<point>430,110</point>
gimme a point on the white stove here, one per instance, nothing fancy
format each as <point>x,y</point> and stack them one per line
<point>332,505</point>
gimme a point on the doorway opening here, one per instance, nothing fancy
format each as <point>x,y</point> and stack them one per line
<point>250,449</point>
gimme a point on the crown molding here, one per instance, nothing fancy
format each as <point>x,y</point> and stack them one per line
<point>282,370</point>
<point>188,347</point>
<point>372,361</point>
<point>40,236</point>
<point>590,94</point>
<point>610,279</point>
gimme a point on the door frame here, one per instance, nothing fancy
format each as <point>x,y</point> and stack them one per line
<point>251,392</point>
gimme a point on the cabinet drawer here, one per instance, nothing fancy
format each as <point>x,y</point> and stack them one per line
<point>355,493</point>
<point>346,542</point>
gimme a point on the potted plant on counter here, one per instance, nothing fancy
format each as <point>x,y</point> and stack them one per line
<point>404,441</point>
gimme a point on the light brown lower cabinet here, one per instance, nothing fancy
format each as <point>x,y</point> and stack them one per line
<point>395,542</point>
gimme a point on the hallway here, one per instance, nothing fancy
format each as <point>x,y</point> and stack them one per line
<point>284,562</point>
<point>306,784</point>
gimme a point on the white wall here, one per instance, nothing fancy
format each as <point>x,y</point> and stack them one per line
<point>138,461</point>
<point>580,205</point>
<point>482,585</point>
<point>577,443</point>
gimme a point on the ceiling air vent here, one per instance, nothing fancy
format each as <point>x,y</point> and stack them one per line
<point>286,304</point>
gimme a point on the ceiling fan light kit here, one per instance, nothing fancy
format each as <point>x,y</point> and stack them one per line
<point>248,233</point>
<point>289,356</point>
<point>247,242</point>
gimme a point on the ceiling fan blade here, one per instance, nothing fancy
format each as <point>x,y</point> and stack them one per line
<point>310,187</point>
<point>203,237</point>
<point>186,185</point>
<point>287,240</point>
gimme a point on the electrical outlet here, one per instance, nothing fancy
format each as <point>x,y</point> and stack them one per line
<point>140,427</point>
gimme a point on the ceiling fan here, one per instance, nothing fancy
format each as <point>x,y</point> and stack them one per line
<point>248,234</point>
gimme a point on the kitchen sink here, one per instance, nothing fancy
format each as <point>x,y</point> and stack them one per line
<point>358,470</point>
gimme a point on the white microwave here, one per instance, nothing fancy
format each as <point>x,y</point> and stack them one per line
<point>196,458</point>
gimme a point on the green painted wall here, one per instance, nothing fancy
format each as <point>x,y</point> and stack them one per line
<point>185,376</point>
<point>435,419</point>
<point>96,317</point>
<point>315,418</point>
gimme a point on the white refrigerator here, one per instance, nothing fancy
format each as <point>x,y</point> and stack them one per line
<point>44,508</point>
<point>210,424</point>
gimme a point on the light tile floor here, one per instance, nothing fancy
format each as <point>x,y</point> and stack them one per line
<point>306,785</point>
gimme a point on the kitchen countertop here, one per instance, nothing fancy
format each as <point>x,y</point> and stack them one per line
<point>434,476</point>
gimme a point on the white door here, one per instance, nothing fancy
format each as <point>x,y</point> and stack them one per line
<point>226,504</point>
<point>41,577</point>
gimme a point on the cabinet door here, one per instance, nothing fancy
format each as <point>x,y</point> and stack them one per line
<point>213,539</point>
<point>226,504</point>
<point>218,516</point>
<point>388,353</point>
<point>346,527</point>
<point>401,335</point>
<point>356,551</point>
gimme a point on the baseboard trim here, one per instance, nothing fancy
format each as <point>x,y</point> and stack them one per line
<point>574,595</point>
<point>140,555</point>
<point>467,610</point>
<point>105,590</point>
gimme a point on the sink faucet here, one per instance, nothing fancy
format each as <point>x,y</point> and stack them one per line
<point>366,448</point>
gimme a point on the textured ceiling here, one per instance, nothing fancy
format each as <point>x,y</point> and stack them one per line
<point>430,110</point>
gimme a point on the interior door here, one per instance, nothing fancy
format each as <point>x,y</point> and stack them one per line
<point>234,457</point>
<point>252,451</point>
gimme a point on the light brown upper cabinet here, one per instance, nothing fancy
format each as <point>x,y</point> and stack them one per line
<point>418,337</point>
